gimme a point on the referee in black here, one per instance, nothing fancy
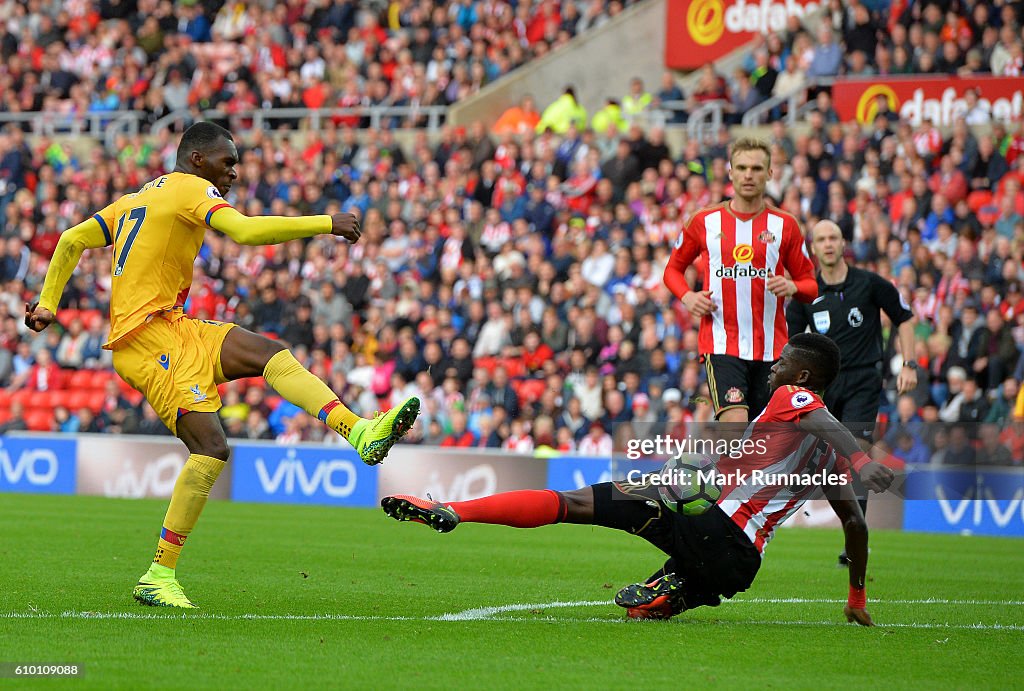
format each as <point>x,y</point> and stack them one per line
<point>848,310</point>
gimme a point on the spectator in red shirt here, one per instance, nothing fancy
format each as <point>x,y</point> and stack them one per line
<point>949,180</point>
<point>535,353</point>
<point>955,27</point>
<point>45,375</point>
<point>1012,437</point>
<point>580,188</point>
<point>927,140</point>
<point>460,436</point>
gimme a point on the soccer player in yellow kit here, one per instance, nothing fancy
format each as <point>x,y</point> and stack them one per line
<point>177,362</point>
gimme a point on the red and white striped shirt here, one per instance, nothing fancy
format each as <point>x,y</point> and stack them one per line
<point>736,254</point>
<point>759,507</point>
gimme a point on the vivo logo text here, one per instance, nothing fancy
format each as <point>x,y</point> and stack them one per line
<point>973,512</point>
<point>154,479</point>
<point>335,478</point>
<point>476,482</point>
<point>37,467</point>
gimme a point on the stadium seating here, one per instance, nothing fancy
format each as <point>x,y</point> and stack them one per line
<point>429,53</point>
<point>413,195</point>
<point>39,419</point>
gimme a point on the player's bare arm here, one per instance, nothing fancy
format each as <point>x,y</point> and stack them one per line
<point>823,425</point>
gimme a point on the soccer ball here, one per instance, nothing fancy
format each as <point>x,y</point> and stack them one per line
<point>688,484</point>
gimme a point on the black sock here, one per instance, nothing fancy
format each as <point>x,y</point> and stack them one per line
<point>669,567</point>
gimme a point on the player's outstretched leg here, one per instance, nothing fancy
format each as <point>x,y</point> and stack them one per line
<point>527,508</point>
<point>245,354</point>
<point>372,439</point>
<point>659,598</point>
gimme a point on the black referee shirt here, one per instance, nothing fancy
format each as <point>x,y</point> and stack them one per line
<point>849,314</point>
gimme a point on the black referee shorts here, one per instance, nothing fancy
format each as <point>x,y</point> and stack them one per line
<point>736,383</point>
<point>853,398</point>
<point>709,552</point>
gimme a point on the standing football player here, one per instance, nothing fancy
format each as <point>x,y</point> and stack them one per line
<point>718,553</point>
<point>742,249</point>
<point>176,361</point>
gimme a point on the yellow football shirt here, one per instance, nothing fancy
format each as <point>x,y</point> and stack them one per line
<point>157,233</point>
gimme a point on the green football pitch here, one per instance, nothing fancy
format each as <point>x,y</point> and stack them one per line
<point>312,597</point>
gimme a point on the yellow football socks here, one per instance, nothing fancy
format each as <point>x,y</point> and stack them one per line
<point>303,388</point>
<point>191,491</point>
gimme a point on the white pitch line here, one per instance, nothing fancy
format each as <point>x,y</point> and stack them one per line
<point>203,615</point>
<point>926,601</point>
<point>476,613</point>
<point>486,612</point>
<point>756,622</point>
<point>912,625</point>
<point>488,617</point>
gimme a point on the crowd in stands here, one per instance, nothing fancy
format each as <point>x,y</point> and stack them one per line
<point>160,57</point>
<point>864,39</point>
<point>513,280</point>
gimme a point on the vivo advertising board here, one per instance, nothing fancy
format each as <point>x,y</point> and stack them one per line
<point>298,474</point>
<point>135,467</point>
<point>450,475</point>
<point>984,502</point>
<point>567,473</point>
<point>37,464</point>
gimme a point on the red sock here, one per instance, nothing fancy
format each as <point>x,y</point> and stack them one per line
<point>526,508</point>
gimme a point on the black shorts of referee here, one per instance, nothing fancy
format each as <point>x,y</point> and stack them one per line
<point>854,397</point>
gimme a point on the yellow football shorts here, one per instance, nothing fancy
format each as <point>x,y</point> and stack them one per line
<point>175,364</point>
